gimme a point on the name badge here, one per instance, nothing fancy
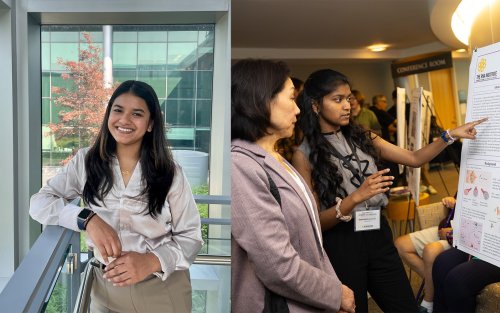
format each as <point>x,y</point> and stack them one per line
<point>367,218</point>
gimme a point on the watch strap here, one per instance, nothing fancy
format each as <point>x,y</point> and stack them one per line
<point>83,217</point>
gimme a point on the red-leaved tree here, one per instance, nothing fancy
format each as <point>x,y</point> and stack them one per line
<point>84,103</point>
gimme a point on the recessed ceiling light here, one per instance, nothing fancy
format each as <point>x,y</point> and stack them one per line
<point>460,50</point>
<point>378,47</point>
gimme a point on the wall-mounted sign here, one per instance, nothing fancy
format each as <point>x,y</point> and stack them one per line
<point>422,65</point>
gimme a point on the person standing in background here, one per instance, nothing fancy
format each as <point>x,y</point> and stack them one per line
<point>387,122</point>
<point>362,115</point>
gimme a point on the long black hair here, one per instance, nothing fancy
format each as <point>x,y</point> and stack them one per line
<point>327,180</point>
<point>157,164</point>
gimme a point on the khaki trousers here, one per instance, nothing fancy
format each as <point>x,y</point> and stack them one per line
<point>151,295</point>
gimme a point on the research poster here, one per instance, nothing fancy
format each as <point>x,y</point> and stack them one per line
<point>476,226</point>
<point>421,108</point>
<point>401,116</point>
<point>414,141</point>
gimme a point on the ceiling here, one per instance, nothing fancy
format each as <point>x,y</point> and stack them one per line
<point>318,30</point>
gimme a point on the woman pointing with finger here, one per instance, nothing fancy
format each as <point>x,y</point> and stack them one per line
<point>338,161</point>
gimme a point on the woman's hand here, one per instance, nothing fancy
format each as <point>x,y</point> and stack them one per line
<point>131,268</point>
<point>347,303</point>
<point>467,130</point>
<point>449,202</point>
<point>373,185</point>
<point>104,238</point>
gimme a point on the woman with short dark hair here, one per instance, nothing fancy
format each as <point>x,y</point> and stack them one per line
<point>277,252</point>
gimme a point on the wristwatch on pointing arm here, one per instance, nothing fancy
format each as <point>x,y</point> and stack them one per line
<point>84,217</point>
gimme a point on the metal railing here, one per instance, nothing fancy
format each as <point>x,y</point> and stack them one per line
<point>57,251</point>
<point>33,280</point>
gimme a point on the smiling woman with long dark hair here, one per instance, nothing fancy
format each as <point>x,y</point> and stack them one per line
<point>140,216</point>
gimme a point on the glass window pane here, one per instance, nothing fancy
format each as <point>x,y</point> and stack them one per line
<point>206,38</point>
<point>163,103</point>
<point>182,56</point>
<point>180,84</point>
<point>54,114</point>
<point>94,36</point>
<point>205,58</point>
<point>140,52</point>
<point>63,52</point>
<point>124,36</point>
<point>45,84</point>
<point>178,144</point>
<point>64,36</point>
<point>209,291</point>
<point>205,85</point>
<point>152,56</point>
<point>202,140</point>
<point>203,113</point>
<point>59,81</point>
<point>45,56</point>
<point>124,75</point>
<point>153,36</point>
<point>125,55</point>
<point>45,111</point>
<point>45,34</point>
<point>183,36</point>
<point>85,46</point>
<point>157,80</point>
<point>179,112</point>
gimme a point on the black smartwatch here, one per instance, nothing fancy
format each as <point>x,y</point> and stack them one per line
<point>83,218</point>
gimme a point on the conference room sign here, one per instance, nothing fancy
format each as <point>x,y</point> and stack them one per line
<point>422,65</point>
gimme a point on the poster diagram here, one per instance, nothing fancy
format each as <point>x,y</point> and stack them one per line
<point>470,234</point>
<point>477,184</point>
<point>477,212</point>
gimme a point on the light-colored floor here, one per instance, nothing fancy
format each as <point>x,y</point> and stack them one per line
<point>445,180</point>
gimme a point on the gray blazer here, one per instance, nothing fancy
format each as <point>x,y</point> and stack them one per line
<point>273,246</point>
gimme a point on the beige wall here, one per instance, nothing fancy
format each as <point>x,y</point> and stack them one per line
<point>370,77</point>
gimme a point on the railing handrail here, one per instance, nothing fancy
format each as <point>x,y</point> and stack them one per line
<point>216,221</point>
<point>27,289</point>
<point>213,260</point>
<point>211,199</point>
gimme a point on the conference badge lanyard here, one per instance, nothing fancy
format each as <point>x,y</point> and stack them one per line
<point>367,218</point>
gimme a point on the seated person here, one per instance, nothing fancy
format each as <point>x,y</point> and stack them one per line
<point>458,279</point>
<point>419,250</point>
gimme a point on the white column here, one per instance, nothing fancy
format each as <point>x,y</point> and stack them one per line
<point>107,32</point>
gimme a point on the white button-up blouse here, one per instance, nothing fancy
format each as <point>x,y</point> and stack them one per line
<point>174,236</point>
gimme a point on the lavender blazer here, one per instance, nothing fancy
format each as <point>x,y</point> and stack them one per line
<point>273,246</point>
